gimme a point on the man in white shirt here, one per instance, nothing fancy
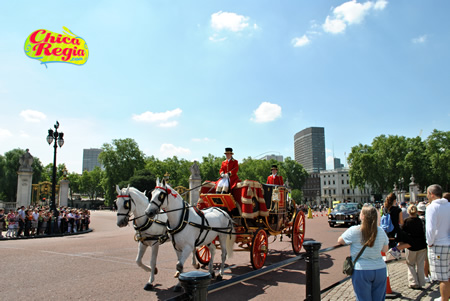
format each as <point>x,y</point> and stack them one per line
<point>438,238</point>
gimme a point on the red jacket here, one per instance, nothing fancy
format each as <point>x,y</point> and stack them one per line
<point>277,180</point>
<point>231,167</point>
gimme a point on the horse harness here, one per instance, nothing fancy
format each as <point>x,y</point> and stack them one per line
<point>139,236</point>
<point>184,220</point>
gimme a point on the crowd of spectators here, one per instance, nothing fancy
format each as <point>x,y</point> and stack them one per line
<point>40,221</point>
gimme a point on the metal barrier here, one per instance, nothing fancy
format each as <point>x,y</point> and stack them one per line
<point>198,292</point>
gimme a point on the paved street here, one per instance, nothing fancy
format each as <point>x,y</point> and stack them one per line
<point>100,266</point>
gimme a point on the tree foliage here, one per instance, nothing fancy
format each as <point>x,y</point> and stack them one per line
<point>9,164</point>
<point>120,159</point>
<point>392,158</point>
<point>91,183</point>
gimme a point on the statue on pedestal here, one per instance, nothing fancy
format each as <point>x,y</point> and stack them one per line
<point>26,160</point>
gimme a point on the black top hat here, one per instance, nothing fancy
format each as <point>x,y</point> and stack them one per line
<point>274,167</point>
<point>228,150</point>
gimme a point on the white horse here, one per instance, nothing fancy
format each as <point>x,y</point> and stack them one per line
<point>149,231</point>
<point>190,228</point>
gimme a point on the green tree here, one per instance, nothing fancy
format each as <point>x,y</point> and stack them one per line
<point>297,196</point>
<point>143,180</point>
<point>294,172</point>
<point>120,159</point>
<point>74,183</point>
<point>438,152</point>
<point>91,183</point>
<point>10,165</point>
<point>209,167</point>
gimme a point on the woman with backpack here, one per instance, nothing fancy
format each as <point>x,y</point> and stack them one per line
<point>396,216</point>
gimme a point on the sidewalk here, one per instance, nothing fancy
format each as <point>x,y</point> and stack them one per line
<point>398,277</point>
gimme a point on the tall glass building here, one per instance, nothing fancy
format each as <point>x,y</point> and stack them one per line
<point>90,158</point>
<point>309,149</point>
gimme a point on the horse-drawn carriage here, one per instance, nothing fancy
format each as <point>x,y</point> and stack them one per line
<point>258,210</point>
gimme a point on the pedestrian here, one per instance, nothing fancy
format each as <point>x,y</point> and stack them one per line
<point>22,215</point>
<point>390,206</point>
<point>228,172</point>
<point>12,224</point>
<point>369,275</point>
<point>447,196</point>
<point>438,238</point>
<point>417,252</point>
<point>2,221</point>
<point>404,208</point>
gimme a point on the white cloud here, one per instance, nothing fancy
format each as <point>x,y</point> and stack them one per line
<point>224,22</point>
<point>32,116</point>
<point>330,162</point>
<point>420,40</point>
<point>169,124</point>
<point>5,133</point>
<point>229,21</point>
<point>380,5</point>
<point>349,13</point>
<point>216,38</point>
<point>266,112</point>
<point>300,42</point>
<point>170,150</point>
<point>334,25</point>
<point>161,118</point>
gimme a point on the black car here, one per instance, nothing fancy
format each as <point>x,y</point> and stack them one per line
<point>345,214</point>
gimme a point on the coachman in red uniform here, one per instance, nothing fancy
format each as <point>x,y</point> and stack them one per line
<point>228,172</point>
<point>274,178</point>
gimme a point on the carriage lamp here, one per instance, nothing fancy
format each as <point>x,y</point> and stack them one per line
<point>57,137</point>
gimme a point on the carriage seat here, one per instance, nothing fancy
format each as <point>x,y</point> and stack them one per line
<point>252,199</point>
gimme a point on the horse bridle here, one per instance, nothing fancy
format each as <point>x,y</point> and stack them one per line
<point>127,205</point>
<point>162,196</point>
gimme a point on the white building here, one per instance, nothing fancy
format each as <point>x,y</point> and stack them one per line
<point>335,186</point>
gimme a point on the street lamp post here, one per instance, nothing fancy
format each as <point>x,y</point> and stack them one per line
<point>57,137</point>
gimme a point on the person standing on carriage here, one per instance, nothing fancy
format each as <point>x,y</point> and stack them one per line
<point>274,178</point>
<point>228,173</point>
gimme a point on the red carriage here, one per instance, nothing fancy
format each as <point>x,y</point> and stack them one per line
<point>258,210</point>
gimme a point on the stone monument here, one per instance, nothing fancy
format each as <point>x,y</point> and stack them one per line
<point>64,192</point>
<point>195,181</point>
<point>24,181</point>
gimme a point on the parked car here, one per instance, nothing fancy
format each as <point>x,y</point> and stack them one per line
<point>345,214</point>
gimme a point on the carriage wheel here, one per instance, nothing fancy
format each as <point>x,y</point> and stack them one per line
<point>259,249</point>
<point>298,232</point>
<point>203,255</point>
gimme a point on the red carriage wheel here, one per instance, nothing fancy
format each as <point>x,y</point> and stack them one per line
<point>298,232</point>
<point>203,255</point>
<point>259,249</point>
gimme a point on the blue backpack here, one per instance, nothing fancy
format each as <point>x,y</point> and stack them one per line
<point>386,223</point>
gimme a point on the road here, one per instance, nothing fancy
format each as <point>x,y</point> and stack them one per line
<point>100,266</point>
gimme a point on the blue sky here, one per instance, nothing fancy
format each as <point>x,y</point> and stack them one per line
<point>189,78</point>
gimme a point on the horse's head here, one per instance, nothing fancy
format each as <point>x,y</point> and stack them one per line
<point>159,199</point>
<point>125,205</point>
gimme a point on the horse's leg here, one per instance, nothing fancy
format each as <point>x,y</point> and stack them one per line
<point>154,270</point>
<point>223,246</point>
<point>182,256</point>
<point>141,251</point>
<point>194,259</point>
<point>212,249</point>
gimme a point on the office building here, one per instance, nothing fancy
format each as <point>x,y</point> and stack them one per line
<point>90,158</point>
<point>309,149</point>
<point>273,157</point>
<point>337,163</point>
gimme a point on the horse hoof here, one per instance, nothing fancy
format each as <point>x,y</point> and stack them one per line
<point>156,270</point>
<point>176,275</point>
<point>197,266</point>
<point>177,289</point>
<point>219,277</point>
<point>148,287</point>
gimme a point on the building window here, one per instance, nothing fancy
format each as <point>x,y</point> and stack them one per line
<point>334,182</point>
<point>342,181</point>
